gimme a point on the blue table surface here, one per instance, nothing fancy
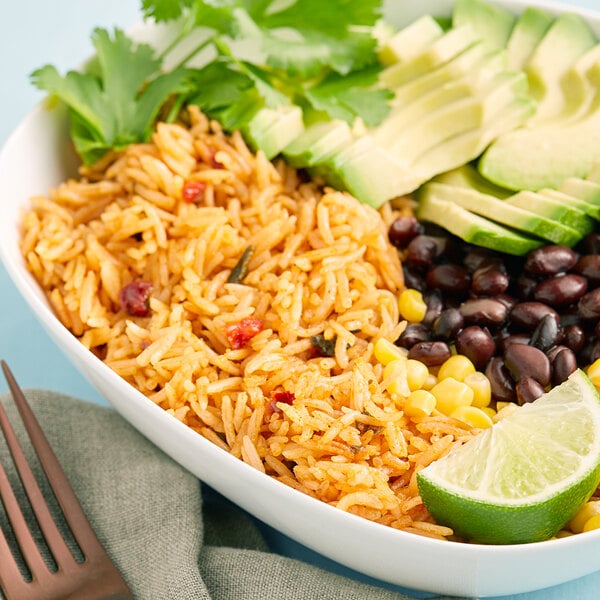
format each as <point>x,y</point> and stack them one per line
<point>36,32</point>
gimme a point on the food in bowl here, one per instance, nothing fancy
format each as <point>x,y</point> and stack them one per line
<point>260,309</point>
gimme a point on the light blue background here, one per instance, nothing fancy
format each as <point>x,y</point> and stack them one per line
<point>36,32</point>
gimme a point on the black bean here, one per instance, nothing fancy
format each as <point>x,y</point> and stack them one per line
<point>501,383</point>
<point>421,252</point>
<point>523,360</point>
<point>524,287</point>
<point>448,324</point>
<point>477,344</point>
<point>527,315</point>
<point>478,257</point>
<point>552,352</point>
<point>590,352</point>
<point>484,312</point>
<point>430,353</point>
<point>449,278</point>
<point>507,300</point>
<point>413,334</point>
<point>564,363</point>
<point>403,230</point>
<point>514,338</point>
<point>589,267</point>
<point>435,305</point>
<point>528,390</point>
<point>591,243</point>
<point>547,333</point>
<point>489,281</point>
<point>550,260</point>
<point>413,280</point>
<point>561,289</point>
<point>574,337</point>
<point>589,305</point>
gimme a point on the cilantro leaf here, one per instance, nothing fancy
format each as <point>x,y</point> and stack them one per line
<point>345,97</point>
<point>165,10</point>
<point>116,103</point>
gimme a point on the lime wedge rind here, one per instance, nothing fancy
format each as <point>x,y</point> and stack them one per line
<point>523,479</point>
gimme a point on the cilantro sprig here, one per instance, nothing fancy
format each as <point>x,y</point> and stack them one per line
<point>319,55</point>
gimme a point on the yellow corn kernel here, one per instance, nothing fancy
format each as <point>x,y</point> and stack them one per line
<point>419,403</point>
<point>430,382</point>
<point>395,376</point>
<point>489,411</point>
<point>416,374</point>
<point>584,514</point>
<point>473,416</point>
<point>563,533</point>
<point>457,366</point>
<point>504,411</point>
<point>593,372</point>
<point>482,389</point>
<point>450,394</point>
<point>412,306</point>
<point>385,351</point>
<point>592,523</point>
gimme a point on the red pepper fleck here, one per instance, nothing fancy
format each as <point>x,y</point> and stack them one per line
<point>135,298</point>
<point>240,333</point>
<point>280,396</point>
<point>193,191</point>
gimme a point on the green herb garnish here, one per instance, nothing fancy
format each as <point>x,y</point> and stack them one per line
<point>320,56</point>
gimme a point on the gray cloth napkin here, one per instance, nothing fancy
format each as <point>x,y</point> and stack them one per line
<point>171,537</point>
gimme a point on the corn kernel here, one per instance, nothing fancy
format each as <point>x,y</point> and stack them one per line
<point>419,403</point>
<point>416,374</point>
<point>412,306</point>
<point>489,411</point>
<point>450,394</point>
<point>395,376</point>
<point>457,366</point>
<point>592,523</point>
<point>482,389</point>
<point>583,515</point>
<point>385,351</point>
<point>563,533</point>
<point>430,382</point>
<point>593,372</point>
<point>473,416</point>
<point>507,408</point>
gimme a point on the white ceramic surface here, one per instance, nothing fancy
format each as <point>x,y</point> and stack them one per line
<point>38,156</point>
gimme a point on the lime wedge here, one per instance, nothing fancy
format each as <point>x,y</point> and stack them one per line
<point>524,478</point>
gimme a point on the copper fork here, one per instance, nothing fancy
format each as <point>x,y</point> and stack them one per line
<point>93,578</point>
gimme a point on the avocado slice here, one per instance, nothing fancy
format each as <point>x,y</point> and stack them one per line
<point>491,23</point>
<point>467,176</point>
<point>410,40</point>
<point>317,143</point>
<point>585,207</point>
<point>272,129</point>
<point>368,171</point>
<point>443,49</point>
<point>553,208</point>
<point>475,111</point>
<point>565,41</point>
<point>468,146</point>
<point>473,228</point>
<point>543,157</point>
<point>502,212</point>
<point>584,189</point>
<point>475,62</point>
<point>530,28</point>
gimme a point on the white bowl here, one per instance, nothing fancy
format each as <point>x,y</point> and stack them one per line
<point>38,156</point>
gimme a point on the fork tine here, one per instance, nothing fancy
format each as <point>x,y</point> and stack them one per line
<point>9,570</point>
<point>71,508</point>
<point>52,535</point>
